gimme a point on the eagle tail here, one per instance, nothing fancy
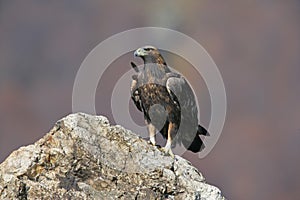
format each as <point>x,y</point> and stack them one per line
<point>202,131</point>
<point>197,144</point>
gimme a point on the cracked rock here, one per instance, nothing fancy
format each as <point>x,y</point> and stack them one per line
<point>84,157</point>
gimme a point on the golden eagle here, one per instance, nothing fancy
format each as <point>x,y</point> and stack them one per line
<point>167,101</point>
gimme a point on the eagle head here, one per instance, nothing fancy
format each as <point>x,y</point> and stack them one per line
<point>146,51</point>
<point>149,54</point>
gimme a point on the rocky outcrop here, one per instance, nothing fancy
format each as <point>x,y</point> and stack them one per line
<point>84,157</point>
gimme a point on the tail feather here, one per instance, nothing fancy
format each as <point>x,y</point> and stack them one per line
<point>197,144</point>
<point>202,131</point>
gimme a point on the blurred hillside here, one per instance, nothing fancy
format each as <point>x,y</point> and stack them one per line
<point>255,44</point>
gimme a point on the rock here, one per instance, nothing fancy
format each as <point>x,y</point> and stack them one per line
<point>84,157</point>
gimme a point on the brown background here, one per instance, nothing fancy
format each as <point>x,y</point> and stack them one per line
<point>255,44</point>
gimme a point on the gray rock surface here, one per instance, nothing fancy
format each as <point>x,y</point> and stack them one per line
<point>84,157</point>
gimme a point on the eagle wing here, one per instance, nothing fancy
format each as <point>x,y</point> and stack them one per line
<point>135,96</point>
<point>182,95</point>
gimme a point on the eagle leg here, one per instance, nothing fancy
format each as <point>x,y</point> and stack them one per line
<point>167,149</point>
<point>152,131</point>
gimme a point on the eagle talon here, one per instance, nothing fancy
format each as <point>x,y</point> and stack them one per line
<point>156,145</point>
<point>167,151</point>
<point>149,142</point>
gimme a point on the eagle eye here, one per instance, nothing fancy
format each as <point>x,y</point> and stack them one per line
<point>147,49</point>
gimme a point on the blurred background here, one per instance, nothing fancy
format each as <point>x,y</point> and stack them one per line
<point>255,44</point>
